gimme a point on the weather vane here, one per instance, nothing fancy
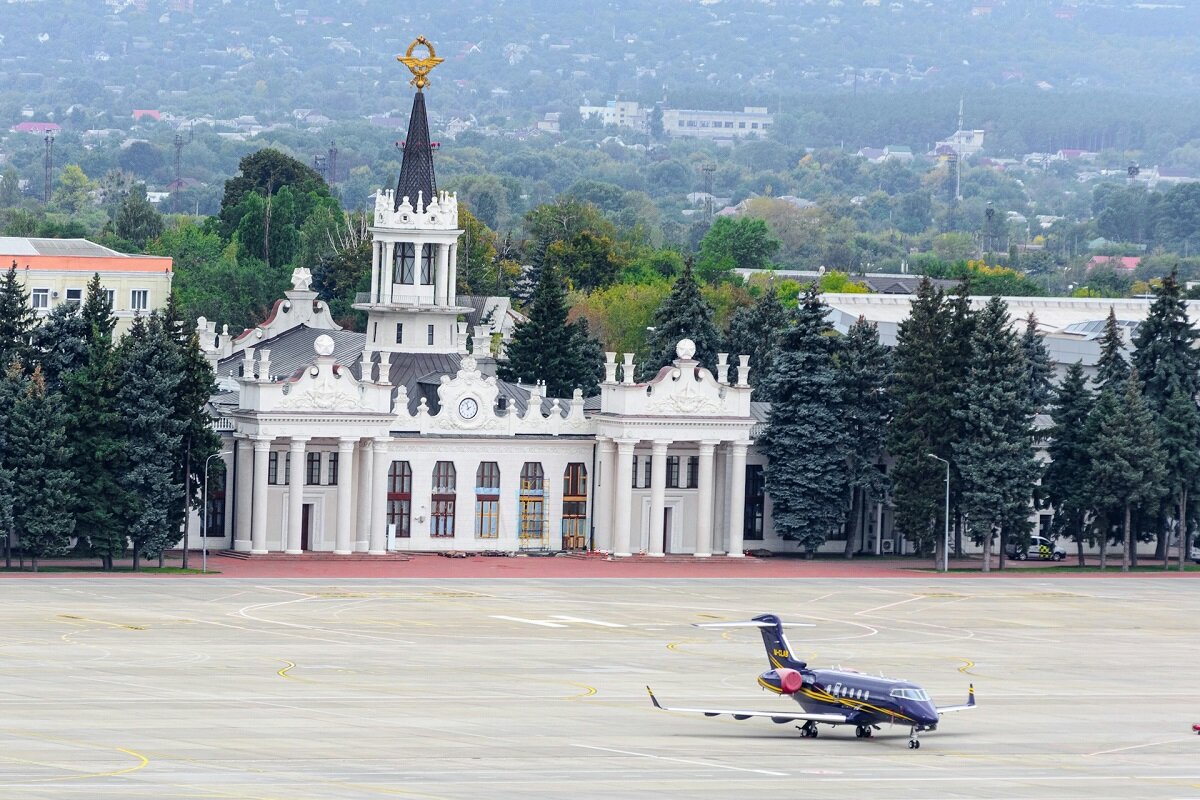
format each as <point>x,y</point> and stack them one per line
<point>420,67</point>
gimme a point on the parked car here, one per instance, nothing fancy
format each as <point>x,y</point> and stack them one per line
<point>1038,547</point>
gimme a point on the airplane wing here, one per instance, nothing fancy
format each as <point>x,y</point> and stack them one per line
<point>779,717</point>
<point>966,707</point>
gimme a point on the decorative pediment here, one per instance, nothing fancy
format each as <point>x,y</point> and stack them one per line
<point>331,388</point>
<point>468,400</point>
<point>684,389</point>
<point>322,387</point>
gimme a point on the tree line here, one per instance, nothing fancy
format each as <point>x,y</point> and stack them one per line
<point>101,442</point>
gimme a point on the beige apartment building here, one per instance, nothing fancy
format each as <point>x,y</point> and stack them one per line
<point>750,121</point>
<point>56,271</point>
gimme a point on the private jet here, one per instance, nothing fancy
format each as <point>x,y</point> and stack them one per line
<point>832,696</point>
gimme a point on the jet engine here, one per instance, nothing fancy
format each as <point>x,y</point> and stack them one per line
<point>782,680</point>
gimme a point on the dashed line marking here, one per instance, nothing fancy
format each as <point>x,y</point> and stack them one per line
<point>542,622</point>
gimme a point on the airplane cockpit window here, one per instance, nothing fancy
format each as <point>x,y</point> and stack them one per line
<point>910,694</point>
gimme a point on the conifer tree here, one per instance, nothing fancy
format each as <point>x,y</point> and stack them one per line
<point>1066,480</point>
<point>1179,434</point>
<point>924,395</point>
<point>755,332</point>
<point>1127,462</point>
<point>17,318</point>
<point>863,375</point>
<point>1112,368</point>
<point>43,486</point>
<point>548,348</point>
<point>60,344</point>
<point>1164,348</point>
<point>97,310</point>
<point>806,438</point>
<point>1039,371</point>
<point>147,379</point>
<point>685,314</point>
<point>956,361</point>
<point>995,455</point>
<point>9,385</point>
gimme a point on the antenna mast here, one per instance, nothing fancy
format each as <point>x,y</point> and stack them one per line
<point>179,144</point>
<point>48,163</point>
<point>708,170</point>
<point>331,165</point>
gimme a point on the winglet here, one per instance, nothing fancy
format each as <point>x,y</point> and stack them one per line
<point>971,695</point>
<point>653,699</point>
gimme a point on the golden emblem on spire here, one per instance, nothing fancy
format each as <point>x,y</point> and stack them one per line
<point>420,67</point>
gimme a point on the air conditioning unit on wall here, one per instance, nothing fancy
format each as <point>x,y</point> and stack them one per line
<point>888,546</point>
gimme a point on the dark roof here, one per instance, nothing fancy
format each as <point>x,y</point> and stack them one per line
<point>293,349</point>
<point>478,304</point>
<point>416,169</point>
<point>901,284</point>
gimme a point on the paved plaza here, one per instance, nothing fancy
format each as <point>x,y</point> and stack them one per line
<point>287,689</point>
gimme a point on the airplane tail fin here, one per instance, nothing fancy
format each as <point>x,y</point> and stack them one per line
<point>779,652</point>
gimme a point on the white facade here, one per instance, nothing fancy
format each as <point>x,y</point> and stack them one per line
<point>751,121</point>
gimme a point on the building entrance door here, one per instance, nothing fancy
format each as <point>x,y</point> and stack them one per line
<point>306,527</point>
<point>668,545</point>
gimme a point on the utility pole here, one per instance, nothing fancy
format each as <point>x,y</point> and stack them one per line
<point>331,165</point>
<point>48,163</point>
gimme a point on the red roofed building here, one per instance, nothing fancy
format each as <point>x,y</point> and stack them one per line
<point>1123,263</point>
<point>149,113</point>
<point>36,127</point>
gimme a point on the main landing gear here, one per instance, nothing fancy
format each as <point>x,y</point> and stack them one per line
<point>808,730</point>
<point>863,731</point>
<point>913,742</point>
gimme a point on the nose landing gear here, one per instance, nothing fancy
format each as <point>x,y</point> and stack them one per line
<point>913,742</point>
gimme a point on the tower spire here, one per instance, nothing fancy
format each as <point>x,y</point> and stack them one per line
<point>416,167</point>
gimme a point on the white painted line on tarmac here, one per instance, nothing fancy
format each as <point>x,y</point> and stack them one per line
<point>541,622</point>
<point>1138,746</point>
<point>682,760</point>
<point>588,621</point>
<point>889,605</point>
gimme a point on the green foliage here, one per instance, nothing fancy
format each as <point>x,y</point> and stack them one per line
<point>264,173</point>
<point>586,260</point>
<point>60,344</point>
<point>268,227</point>
<point>72,190</point>
<point>995,454</point>
<point>1067,476</point>
<point>1112,369</point>
<point>836,282</point>
<point>43,488</point>
<point>562,221</point>
<point>1039,371</point>
<point>756,331</point>
<point>10,188</point>
<point>1164,348</point>
<point>807,436</point>
<point>684,314</point>
<point>137,220</point>
<point>735,243</point>
<point>548,348</point>
<point>621,313</point>
<point>17,319</point>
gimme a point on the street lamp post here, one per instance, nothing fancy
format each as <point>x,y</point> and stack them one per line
<point>204,514</point>
<point>946,542</point>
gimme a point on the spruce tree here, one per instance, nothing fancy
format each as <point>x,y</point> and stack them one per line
<point>147,379</point>
<point>995,455</point>
<point>685,314</point>
<point>10,383</point>
<point>755,332</point>
<point>1179,434</point>
<point>924,395</point>
<point>863,374</point>
<point>956,363</point>
<point>1127,462</point>
<point>1164,348</point>
<point>43,500</point>
<point>1039,371</point>
<point>17,319</point>
<point>1067,476</point>
<point>1112,368</point>
<point>60,344</point>
<point>548,348</point>
<point>807,438</point>
<point>97,444</point>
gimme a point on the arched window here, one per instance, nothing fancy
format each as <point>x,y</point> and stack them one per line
<point>533,505</point>
<point>487,500</point>
<point>574,515</point>
<point>399,498</point>
<point>442,500</point>
<point>406,263</point>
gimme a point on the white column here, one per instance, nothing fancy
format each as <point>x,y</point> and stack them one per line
<point>439,274</point>
<point>379,478</point>
<point>624,496</point>
<point>365,471</point>
<point>243,497</point>
<point>704,524</point>
<point>737,497</point>
<point>388,270</point>
<point>258,524</point>
<point>721,520</point>
<point>602,495</point>
<point>658,487</point>
<point>452,284</point>
<point>375,259</point>
<point>342,545</point>
<point>296,494</point>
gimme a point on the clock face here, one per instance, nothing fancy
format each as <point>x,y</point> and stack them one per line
<point>468,407</point>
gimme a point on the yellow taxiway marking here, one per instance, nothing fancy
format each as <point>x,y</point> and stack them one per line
<point>143,762</point>
<point>966,667</point>
<point>102,622</point>
<point>588,691</point>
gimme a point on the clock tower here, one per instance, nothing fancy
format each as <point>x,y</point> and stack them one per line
<point>412,304</point>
